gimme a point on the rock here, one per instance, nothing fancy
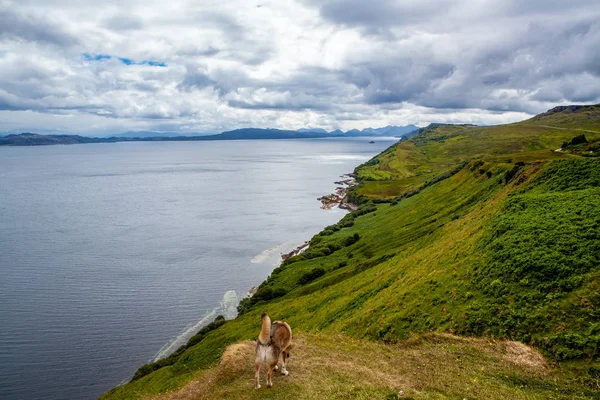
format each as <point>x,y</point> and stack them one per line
<point>340,197</point>
<point>296,251</point>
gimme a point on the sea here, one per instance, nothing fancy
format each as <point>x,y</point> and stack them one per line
<point>113,255</point>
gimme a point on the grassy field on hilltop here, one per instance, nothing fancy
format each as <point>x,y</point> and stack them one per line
<point>433,366</point>
<point>463,230</point>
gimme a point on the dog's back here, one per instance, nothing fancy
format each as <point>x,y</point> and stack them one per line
<point>281,335</point>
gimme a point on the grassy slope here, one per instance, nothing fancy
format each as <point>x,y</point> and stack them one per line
<point>472,254</point>
<point>432,366</point>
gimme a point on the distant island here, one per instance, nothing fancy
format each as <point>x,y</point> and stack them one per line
<point>35,139</point>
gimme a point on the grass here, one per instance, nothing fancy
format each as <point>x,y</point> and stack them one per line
<point>433,366</point>
<point>477,231</point>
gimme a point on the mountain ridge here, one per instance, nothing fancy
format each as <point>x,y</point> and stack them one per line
<point>34,139</point>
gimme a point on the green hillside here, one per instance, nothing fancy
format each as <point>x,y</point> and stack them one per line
<point>472,231</point>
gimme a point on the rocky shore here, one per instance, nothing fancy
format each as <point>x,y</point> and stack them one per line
<point>294,252</point>
<point>340,197</point>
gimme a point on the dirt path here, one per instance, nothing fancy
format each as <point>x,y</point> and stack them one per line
<point>568,129</point>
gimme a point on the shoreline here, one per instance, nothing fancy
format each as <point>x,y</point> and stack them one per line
<point>295,252</point>
<point>339,199</point>
<point>330,201</point>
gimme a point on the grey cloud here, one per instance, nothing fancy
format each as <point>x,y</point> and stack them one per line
<point>536,7</point>
<point>309,88</point>
<point>483,73</point>
<point>32,28</point>
<point>403,80</point>
<point>123,22</point>
<point>223,22</point>
<point>196,78</point>
<point>375,16</point>
<point>275,100</point>
<point>190,50</point>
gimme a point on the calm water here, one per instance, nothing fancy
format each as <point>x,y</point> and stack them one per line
<point>114,254</point>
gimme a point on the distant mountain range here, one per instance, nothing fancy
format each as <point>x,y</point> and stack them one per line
<point>146,134</point>
<point>34,139</point>
<point>386,131</point>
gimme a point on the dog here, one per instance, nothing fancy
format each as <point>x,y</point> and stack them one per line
<point>274,341</point>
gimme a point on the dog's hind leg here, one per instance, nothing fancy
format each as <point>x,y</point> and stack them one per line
<point>270,373</point>
<point>284,356</point>
<point>257,376</point>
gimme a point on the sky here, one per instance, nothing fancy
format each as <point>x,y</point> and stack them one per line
<point>101,67</point>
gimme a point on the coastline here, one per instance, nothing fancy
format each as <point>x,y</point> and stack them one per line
<point>340,197</point>
<point>227,308</point>
<point>295,252</point>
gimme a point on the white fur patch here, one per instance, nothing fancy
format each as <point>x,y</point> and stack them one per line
<point>264,353</point>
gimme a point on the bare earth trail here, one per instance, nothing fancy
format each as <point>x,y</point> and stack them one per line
<point>567,129</point>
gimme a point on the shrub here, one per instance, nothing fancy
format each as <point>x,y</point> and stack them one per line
<point>268,293</point>
<point>311,276</point>
<point>264,293</point>
<point>350,240</point>
<point>580,139</point>
<point>475,165</point>
<point>347,221</point>
<point>511,174</point>
<point>364,209</point>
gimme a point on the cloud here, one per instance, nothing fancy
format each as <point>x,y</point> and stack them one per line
<point>32,28</point>
<point>209,66</point>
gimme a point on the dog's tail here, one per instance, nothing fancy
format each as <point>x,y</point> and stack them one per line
<point>265,331</point>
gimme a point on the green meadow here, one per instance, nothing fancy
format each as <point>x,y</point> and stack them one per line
<point>470,270</point>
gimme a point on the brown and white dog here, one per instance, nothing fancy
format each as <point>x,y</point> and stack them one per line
<point>274,341</point>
